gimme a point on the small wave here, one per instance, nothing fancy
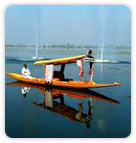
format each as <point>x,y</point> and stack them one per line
<point>120,62</point>
<point>108,61</point>
<point>32,59</point>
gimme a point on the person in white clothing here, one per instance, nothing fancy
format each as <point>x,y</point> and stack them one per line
<point>26,72</point>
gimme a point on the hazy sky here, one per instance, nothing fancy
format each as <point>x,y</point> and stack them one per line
<point>74,24</point>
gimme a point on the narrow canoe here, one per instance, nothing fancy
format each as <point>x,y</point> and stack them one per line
<point>56,82</point>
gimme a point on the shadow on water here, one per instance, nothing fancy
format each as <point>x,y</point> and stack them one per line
<point>53,101</point>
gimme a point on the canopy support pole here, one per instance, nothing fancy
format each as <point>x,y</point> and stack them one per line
<point>62,68</point>
<point>83,78</point>
<point>44,69</point>
<point>91,71</point>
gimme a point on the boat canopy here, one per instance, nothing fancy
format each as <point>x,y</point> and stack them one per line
<point>60,61</point>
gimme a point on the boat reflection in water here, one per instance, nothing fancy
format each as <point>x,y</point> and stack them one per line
<point>51,104</point>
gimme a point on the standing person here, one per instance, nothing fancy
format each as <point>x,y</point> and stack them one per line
<point>26,72</point>
<point>91,58</point>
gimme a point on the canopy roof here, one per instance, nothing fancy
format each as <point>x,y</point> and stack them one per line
<point>60,61</point>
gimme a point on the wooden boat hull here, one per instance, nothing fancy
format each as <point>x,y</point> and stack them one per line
<point>56,82</point>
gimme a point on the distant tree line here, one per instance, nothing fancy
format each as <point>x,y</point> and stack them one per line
<point>68,46</point>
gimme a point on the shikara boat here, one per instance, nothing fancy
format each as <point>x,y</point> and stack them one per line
<point>58,76</point>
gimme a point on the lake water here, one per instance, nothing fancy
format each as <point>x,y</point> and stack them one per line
<point>104,113</point>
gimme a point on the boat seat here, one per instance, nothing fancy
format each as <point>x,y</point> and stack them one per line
<point>59,75</point>
<point>68,79</point>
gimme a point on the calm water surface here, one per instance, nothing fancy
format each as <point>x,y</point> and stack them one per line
<point>106,112</point>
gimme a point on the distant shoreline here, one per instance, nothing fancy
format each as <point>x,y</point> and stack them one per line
<point>64,46</point>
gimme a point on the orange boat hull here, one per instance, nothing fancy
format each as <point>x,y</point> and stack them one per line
<point>56,82</point>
